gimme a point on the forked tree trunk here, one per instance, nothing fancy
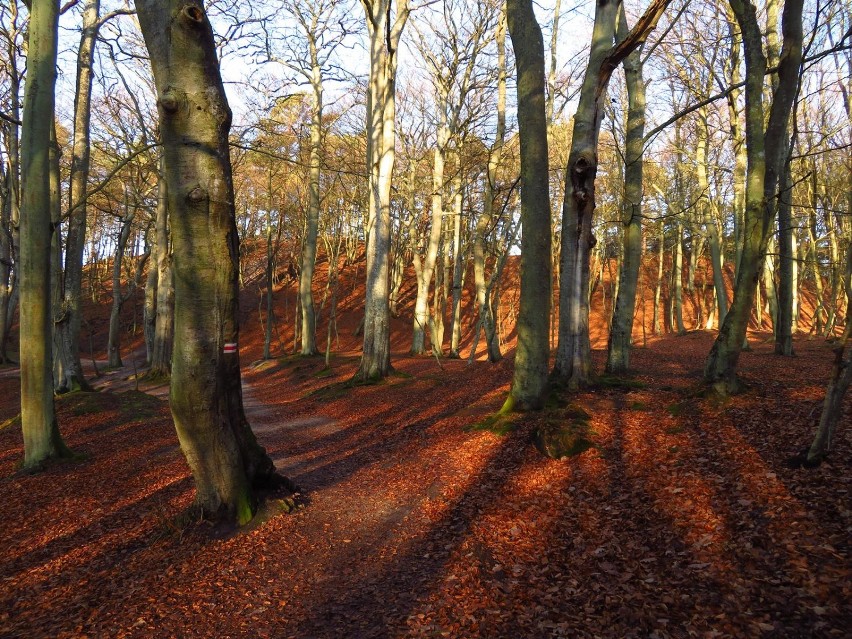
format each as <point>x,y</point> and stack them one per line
<point>384,36</point>
<point>529,382</point>
<point>206,395</point>
<point>765,141</point>
<point>573,354</point>
<point>42,440</point>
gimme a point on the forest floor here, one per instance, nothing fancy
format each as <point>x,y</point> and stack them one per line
<point>683,520</point>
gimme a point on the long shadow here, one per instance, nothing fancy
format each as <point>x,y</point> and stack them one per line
<point>343,453</point>
<point>362,609</point>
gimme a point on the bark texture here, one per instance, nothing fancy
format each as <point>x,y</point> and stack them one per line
<point>384,28</point>
<point>529,382</point>
<point>42,440</point>
<point>621,331</point>
<point>766,141</point>
<point>206,394</point>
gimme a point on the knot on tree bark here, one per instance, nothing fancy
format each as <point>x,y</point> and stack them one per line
<point>196,195</point>
<point>193,14</point>
<point>169,101</point>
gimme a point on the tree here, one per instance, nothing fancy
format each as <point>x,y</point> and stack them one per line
<point>529,381</point>
<point>573,354</point>
<point>42,440</point>
<point>452,48</point>
<point>384,28</point>
<point>206,395</point>
<point>621,331</point>
<point>838,383</point>
<point>69,318</point>
<point>320,27</point>
<point>484,221</point>
<point>766,144</point>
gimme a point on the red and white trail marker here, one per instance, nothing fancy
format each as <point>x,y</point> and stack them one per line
<point>230,348</point>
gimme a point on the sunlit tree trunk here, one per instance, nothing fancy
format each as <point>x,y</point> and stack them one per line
<point>458,266</point>
<point>677,282</point>
<point>706,213</point>
<point>621,331</point>
<point>765,148</point>
<point>483,223</point>
<point>161,357</point>
<point>529,382</point>
<point>658,286</point>
<point>206,394</point>
<point>309,245</point>
<point>384,31</point>
<point>427,267</point>
<point>69,326</point>
<point>573,354</point>
<point>42,440</point>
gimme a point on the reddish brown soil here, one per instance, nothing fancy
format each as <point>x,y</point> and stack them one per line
<point>684,519</point>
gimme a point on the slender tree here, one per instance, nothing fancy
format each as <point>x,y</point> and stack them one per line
<point>573,354</point>
<point>766,142</point>
<point>384,28</point>
<point>42,440</point>
<point>529,382</point>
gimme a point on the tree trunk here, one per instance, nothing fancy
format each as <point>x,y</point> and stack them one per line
<point>206,394</point>
<point>458,267</point>
<point>149,312</point>
<point>77,203</point>
<point>658,285</point>
<point>573,353</point>
<point>838,384</point>
<point>381,139</point>
<point>483,224</point>
<point>309,245</point>
<point>765,150</point>
<point>529,382</point>
<point>706,211</point>
<point>427,266</point>
<point>786,263</point>
<point>677,282</point>
<point>620,336</point>
<point>42,440</point>
<point>161,358</point>
<point>10,243</point>
<point>118,298</point>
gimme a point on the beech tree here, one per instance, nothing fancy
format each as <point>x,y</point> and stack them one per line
<point>529,382</point>
<point>42,440</point>
<point>766,147</point>
<point>385,22</point>
<point>573,354</point>
<point>206,395</point>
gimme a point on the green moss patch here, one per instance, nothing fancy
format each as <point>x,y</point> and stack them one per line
<point>560,439</point>
<point>616,382</point>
